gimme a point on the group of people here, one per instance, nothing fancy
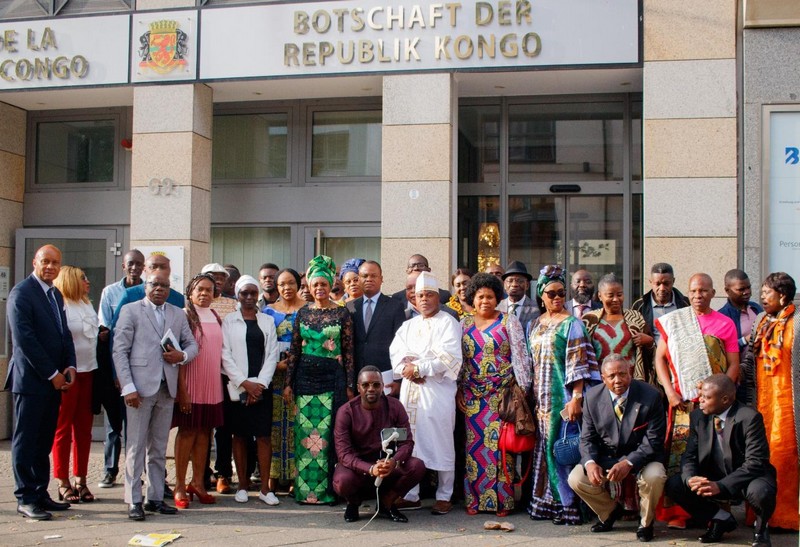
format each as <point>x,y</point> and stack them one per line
<point>299,384</point>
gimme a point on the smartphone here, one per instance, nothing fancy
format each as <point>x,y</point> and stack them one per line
<point>243,397</point>
<point>564,414</point>
<point>167,347</point>
<point>402,433</point>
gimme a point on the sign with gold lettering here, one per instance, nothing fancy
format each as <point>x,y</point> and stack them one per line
<point>164,46</point>
<point>64,52</point>
<point>362,36</point>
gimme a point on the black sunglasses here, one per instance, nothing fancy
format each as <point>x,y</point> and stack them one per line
<point>561,293</point>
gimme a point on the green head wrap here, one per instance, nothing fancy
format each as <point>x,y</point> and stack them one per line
<point>549,274</point>
<point>321,266</point>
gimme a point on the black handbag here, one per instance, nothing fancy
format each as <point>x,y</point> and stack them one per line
<point>567,449</point>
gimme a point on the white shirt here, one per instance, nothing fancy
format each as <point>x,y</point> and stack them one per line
<point>83,324</point>
<point>434,345</point>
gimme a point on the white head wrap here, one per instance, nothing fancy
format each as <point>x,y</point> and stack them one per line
<point>245,280</point>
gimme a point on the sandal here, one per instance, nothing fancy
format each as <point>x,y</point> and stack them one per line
<point>83,493</point>
<point>66,493</point>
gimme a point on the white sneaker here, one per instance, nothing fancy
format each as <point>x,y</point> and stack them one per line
<point>241,496</point>
<point>269,498</point>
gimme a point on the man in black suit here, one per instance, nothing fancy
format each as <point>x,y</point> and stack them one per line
<point>623,435</point>
<point>42,365</point>
<point>376,318</point>
<point>516,282</point>
<point>416,264</point>
<point>726,458</point>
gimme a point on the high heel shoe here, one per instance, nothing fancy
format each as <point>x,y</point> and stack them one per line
<point>181,503</point>
<point>205,499</point>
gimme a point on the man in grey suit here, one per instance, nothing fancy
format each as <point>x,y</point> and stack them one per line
<point>148,377</point>
<point>516,282</point>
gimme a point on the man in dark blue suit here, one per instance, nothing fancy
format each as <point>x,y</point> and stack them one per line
<point>42,365</point>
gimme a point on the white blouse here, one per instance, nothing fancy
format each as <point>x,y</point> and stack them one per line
<point>83,324</point>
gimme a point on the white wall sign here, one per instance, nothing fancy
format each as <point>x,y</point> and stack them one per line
<point>5,282</point>
<point>164,46</point>
<point>64,52</point>
<point>175,255</point>
<point>293,39</point>
<point>783,215</point>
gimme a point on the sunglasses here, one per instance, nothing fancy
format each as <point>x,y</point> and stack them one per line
<point>561,293</point>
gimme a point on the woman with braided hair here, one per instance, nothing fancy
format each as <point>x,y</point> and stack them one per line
<point>198,407</point>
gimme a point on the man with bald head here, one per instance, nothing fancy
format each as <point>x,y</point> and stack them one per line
<point>156,263</point>
<point>147,368</point>
<point>695,343</point>
<point>42,365</point>
<point>416,264</point>
<point>582,288</point>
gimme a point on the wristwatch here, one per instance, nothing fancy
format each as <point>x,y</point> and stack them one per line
<point>577,395</point>
<point>416,372</point>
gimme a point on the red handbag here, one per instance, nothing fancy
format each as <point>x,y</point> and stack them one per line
<point>513,443</point>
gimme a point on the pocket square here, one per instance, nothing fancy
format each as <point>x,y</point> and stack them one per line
<point>641,426</point>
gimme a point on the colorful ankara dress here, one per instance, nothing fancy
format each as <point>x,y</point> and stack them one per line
<point>776,372</point>
<point>561,354</point>
<point>282,467</point>
<point>493,358</point>
<point>320,369</point>
<point>618,338</point>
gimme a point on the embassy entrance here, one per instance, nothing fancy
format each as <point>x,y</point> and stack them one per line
<point>552,180</point>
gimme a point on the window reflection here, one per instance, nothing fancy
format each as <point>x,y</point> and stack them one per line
<point>250,146</point>
<point>565,142</point>
<point>479,144</point>
<point>75,151</point>
<point>346,144</point>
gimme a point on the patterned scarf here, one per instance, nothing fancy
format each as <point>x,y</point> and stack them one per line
<point>768,344</point>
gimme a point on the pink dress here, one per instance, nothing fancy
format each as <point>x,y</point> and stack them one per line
<point>203,377</point>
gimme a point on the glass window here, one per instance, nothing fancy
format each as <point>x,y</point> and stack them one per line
<point>636,140</point>
<point>637,229</point>
<point>478,232</point>
<point>594,229</point>
<point>250,247</point>
<point>75,151</point>
<point>341,249</point>
<point>250,146</point>
<point>479,144</point>
<point>87,254</point>
<point>536,226</point>
<point>565,142</point>
<point>346,144</point>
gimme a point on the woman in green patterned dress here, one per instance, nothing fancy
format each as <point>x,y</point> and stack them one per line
<point>319,379</point>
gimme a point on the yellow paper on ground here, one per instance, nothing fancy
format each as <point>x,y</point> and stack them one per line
<point>153,540</point>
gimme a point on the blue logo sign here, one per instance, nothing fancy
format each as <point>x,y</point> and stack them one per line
<point>792,155</point>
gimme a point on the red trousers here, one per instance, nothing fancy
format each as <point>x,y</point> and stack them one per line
<point>74,429</point>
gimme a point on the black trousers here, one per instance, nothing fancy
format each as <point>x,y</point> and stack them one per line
<point>760,494</point>
<point>36,416</point>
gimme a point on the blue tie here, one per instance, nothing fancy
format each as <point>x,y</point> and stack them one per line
<point>51,297</point>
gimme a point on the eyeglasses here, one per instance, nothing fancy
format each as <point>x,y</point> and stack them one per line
<point>157,284</point>
<point>373,385</point>
<point>561,293</point>
<point>84,278</point>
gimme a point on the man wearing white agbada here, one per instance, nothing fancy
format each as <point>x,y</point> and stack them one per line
<point>426,351</point>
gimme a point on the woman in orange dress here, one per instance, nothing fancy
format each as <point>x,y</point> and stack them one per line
<point>773,366</point>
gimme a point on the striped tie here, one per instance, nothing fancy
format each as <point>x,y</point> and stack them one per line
<point>619,407</point>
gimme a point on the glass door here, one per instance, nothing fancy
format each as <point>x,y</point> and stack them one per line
<point>343,242</point>
<point>97,252</point>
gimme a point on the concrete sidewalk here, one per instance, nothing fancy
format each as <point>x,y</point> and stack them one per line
<point>228,523</point>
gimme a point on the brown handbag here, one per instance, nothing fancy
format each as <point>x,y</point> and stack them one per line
<point>514,409</point>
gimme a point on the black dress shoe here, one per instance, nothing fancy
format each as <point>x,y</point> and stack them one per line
<point>168,493</point>
<point>49,504</point>
<point>33,511</point>
<point>645,533</point>
<point>160,507</point>
<point>717,528</point>
<point>608,524</point>
<point>761,539</point>
<point>392,514</point>
<point>135,511</point>
<point>351,513</point>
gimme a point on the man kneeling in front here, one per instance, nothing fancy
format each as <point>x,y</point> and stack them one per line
<point>622,439</point>
<point>357,437</point>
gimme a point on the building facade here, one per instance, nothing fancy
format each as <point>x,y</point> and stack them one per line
<point>605,135</point>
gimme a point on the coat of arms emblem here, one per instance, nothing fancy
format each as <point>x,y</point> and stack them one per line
<point>163,47</point>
